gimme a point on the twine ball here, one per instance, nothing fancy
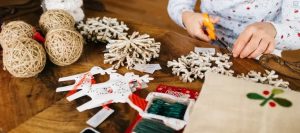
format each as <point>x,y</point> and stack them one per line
<point>25,58</point>
<point>64,46</point>
<point>56,19</point>
<point>14,30</point>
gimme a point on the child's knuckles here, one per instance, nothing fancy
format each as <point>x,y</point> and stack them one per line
<point>251,29</point>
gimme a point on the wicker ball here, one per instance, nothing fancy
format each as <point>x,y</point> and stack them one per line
<point>63,46</point>
<point>56,19</point>
<point>14,30</point>
<point>25,58</point>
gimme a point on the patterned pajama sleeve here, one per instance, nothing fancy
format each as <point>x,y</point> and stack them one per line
<point>177,7</point>
<point>288,26</point>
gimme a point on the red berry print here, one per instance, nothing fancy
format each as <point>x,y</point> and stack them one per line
<point>296,11</point>
<point>299,34</point>
<point>266,92</point>
<point>281,37</point>
<point>272,104</point>
<point>248,8</point>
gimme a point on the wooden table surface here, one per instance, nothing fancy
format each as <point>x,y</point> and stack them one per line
<point>32,105</point>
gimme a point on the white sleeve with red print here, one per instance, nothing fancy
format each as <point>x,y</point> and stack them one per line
<point>288,27</point>
<point>177,7</point>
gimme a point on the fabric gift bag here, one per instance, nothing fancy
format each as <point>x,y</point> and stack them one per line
<point>231,105</point>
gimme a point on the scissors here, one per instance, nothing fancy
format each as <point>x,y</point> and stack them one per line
<point>210,29</point>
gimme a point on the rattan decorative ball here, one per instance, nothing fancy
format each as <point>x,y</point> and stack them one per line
<point>64,46</point>
<point>24,58</point>
<point>14,30</point>
<point>56,19</point>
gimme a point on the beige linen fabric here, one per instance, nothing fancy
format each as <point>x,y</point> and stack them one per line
<point>223,107</point>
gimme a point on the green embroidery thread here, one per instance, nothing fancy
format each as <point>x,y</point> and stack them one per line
<point>272,100</point>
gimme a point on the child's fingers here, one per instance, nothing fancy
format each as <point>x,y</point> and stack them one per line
<point>270,48</point>
<point>251,46</point>
<point>214,19</point>
<point>241,42</point>
<point>201,35</point>
<point>260,49</point>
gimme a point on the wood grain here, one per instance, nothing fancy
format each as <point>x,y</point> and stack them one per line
<point>35,103</point>
<point>173,46</point>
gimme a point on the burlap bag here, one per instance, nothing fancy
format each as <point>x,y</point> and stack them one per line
<point>231,105</point>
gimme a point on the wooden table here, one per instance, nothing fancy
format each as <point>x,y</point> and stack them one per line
<point>32,105</point>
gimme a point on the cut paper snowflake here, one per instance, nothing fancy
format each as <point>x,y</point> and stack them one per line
<point>117,89</point>
<point>269,77</point>
<point>131,50</point>
<point>194,65</point>
<point>102,30</point>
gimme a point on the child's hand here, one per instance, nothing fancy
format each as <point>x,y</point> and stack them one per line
<point>193,24</point>
<point>258,38</point>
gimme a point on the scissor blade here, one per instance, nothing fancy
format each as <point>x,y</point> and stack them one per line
<point>225,45</point>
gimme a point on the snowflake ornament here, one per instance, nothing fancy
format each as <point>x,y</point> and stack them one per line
<point>194,65</point>
<point>116,90</point>
<point>269,77</point>
<point>131,50</point>
<point>102,30</point>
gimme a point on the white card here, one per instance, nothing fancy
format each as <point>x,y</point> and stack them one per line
<point>204,50</point>
<point>148,68</point>
<point>99,117</point>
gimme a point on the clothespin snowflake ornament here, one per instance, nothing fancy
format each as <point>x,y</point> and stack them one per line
<point>102,30</point>
<point>194,65</point>
<point>131,50</point>
<point>269,77</point>
<point>117,89</point>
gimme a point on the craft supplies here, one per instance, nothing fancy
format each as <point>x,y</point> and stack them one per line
<point>181,92</point>
<point>122,49</point>
<point>285,66</point>
<point>73,7</point>
<point>14,30</point>
<point>117,89</point>
<point>172,110</point>
<point>99,117</point>
<point>24,57</point>
<point>152,126</point>
<point>131,50</point>
<point>89,130</point>
<point>56,19</point>
<point>148,68</point>
<point>194,65</point>
<point>63,46</point>
<point>269,77</point>
<point>179,109</point>
<point>232,105</point>
<point>102,29</point>
<point>204,50</point>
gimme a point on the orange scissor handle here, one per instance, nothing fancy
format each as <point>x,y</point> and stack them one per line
<point>210,28</point>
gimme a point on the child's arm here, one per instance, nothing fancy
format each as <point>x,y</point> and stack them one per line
<point>264,37</point>
<point>288,29</point>
<point>177,7</point>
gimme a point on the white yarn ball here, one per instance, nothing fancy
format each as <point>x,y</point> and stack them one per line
<point>77,14</point>
<point>63,4</point>
<point>73,7</point>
